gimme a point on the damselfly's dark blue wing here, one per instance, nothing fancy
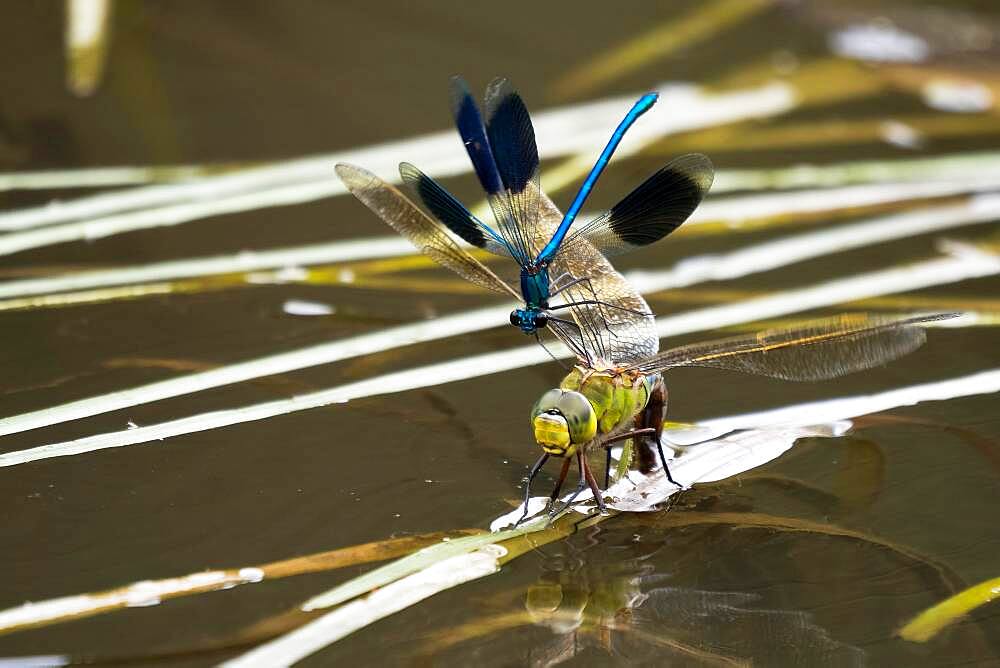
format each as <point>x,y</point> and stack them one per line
<point>471,128</point>
<point>652,211</point>
<point>389,204</point>
<point>505,158</point>
<point>512,137</point>
<point>632,338</point>
<point>447,209</point>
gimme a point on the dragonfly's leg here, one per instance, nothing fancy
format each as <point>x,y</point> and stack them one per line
<point>527,485</point>
<point>651,417</point>
<point>598,495</point>
<point>607,467</point>
<point>606,444</point>
<point>576,492</point>
<point>632,433</point>
<point>562,478</point>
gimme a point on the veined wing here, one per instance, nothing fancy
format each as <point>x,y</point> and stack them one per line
<point>451,212</point>
<point>653,210</point>
<point>389,204</point>
<point>620,329</point>
<point>471,128</point>
<point>818,350</point>
<point>505,158</point>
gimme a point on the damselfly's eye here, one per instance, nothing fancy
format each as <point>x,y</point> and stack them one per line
<point>515,318</point>
<point>541,320</point>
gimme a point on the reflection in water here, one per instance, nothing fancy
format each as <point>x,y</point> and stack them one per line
<point>731,623</point>
<point>86,42</point>
<point>205,85</point>
<point>629,612</point>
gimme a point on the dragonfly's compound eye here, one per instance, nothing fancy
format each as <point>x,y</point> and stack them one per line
<point>580,417</point>
<point>547,403</point>
<point>515,318</point>
<point>563,420</point>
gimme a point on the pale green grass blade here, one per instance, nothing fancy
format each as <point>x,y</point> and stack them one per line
<point>941,271</point>
<point>565,130</point>
<point>737,263</point>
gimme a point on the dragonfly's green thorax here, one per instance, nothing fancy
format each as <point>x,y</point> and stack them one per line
<point>615,396</point>
<point>588,403</point>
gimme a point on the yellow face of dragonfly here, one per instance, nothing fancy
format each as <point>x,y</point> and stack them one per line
<point>563,420</point>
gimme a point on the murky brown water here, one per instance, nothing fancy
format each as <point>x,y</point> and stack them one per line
<point>216,82</point>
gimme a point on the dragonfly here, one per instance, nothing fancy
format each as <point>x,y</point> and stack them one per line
<point>504,155</point>
<point>606,400</point>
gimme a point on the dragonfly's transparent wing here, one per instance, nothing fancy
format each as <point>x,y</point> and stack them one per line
<point>818,350</point>
<point>389,204</point>
<point>653,210</point>
<point>620,328</point>
<point>452,213</point>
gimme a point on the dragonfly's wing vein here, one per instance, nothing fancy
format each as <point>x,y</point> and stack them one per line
<point>818,350</point>
<point>392,206</point>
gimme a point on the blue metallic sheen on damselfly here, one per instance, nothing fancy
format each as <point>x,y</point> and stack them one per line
<point>505,158</point>
<point>535,286</point>
<point>551,258</point>
<point>644,104</point>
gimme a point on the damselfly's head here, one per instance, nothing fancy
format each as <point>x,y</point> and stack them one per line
<point>563,420</point>
<point>528,320</point>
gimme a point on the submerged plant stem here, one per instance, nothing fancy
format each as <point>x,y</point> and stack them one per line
<point>932,621</point>
<point>54,611</point>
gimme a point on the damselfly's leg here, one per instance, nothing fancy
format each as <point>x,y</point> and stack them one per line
<point>579,348</point>
<point>593,293</point>
<point>590,288</point>
<point>594,301</point>
<point>600,311</point>
<point>573,281</point>
<point>598,302</point>
<point>555,359</point>
<point>527,485</point>
<point>651,417</point>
